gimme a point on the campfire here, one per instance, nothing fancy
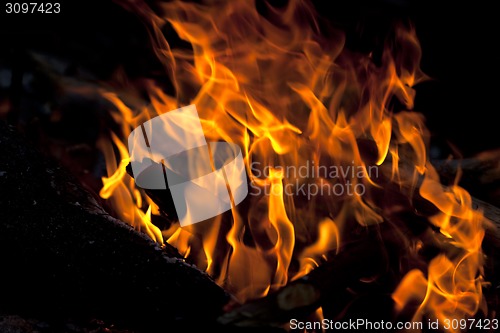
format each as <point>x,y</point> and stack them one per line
<point>336,218</point>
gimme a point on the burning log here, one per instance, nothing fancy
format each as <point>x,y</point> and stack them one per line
<point>480,175</point>
<point>330,285</point>
<point>62,256</point>
<point>379,254</point>
<point>484,168</point>
<point>382,253</point>
<point>362,259</point>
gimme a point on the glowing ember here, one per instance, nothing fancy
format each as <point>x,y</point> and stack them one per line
<point>298,104</point>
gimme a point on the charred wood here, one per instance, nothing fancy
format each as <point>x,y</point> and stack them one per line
<point>61,255</point>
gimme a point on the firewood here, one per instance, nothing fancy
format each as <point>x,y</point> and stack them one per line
<point>484,168</point>
<point>61,255</point>
<point>480,174</point>
<point>365,257</point>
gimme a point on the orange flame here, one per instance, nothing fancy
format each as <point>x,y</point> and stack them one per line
<point>328,240</point>
<point>297,104</point>
<point>453,288</point>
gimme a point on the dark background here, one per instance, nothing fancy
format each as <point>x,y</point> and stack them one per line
<point>458,40</point>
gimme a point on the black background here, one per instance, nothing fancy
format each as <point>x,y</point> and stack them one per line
<point>458,41</point>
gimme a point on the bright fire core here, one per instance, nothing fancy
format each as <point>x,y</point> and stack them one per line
<point>292,96</point>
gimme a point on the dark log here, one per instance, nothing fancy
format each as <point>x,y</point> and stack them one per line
<point>484,168</point>
<point>25,324</point>
<point>62,256</point>
<point>19,324</point>
<point>480,175</point>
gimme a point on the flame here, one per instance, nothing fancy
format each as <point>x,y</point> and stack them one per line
<point>298,104</point>
<point>328,240</point>
<point>121,191</point>
<point>453,287</point>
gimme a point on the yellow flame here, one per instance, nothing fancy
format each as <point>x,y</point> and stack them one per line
<point>119,188</point>
<point>328,240</point>
<point>290,98</point>
<point>453,286</point>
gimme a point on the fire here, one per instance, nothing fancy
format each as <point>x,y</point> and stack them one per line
<point>119,189</point>
<point>453,288</point>
<point>328,240</point>
<point>292,99</point>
